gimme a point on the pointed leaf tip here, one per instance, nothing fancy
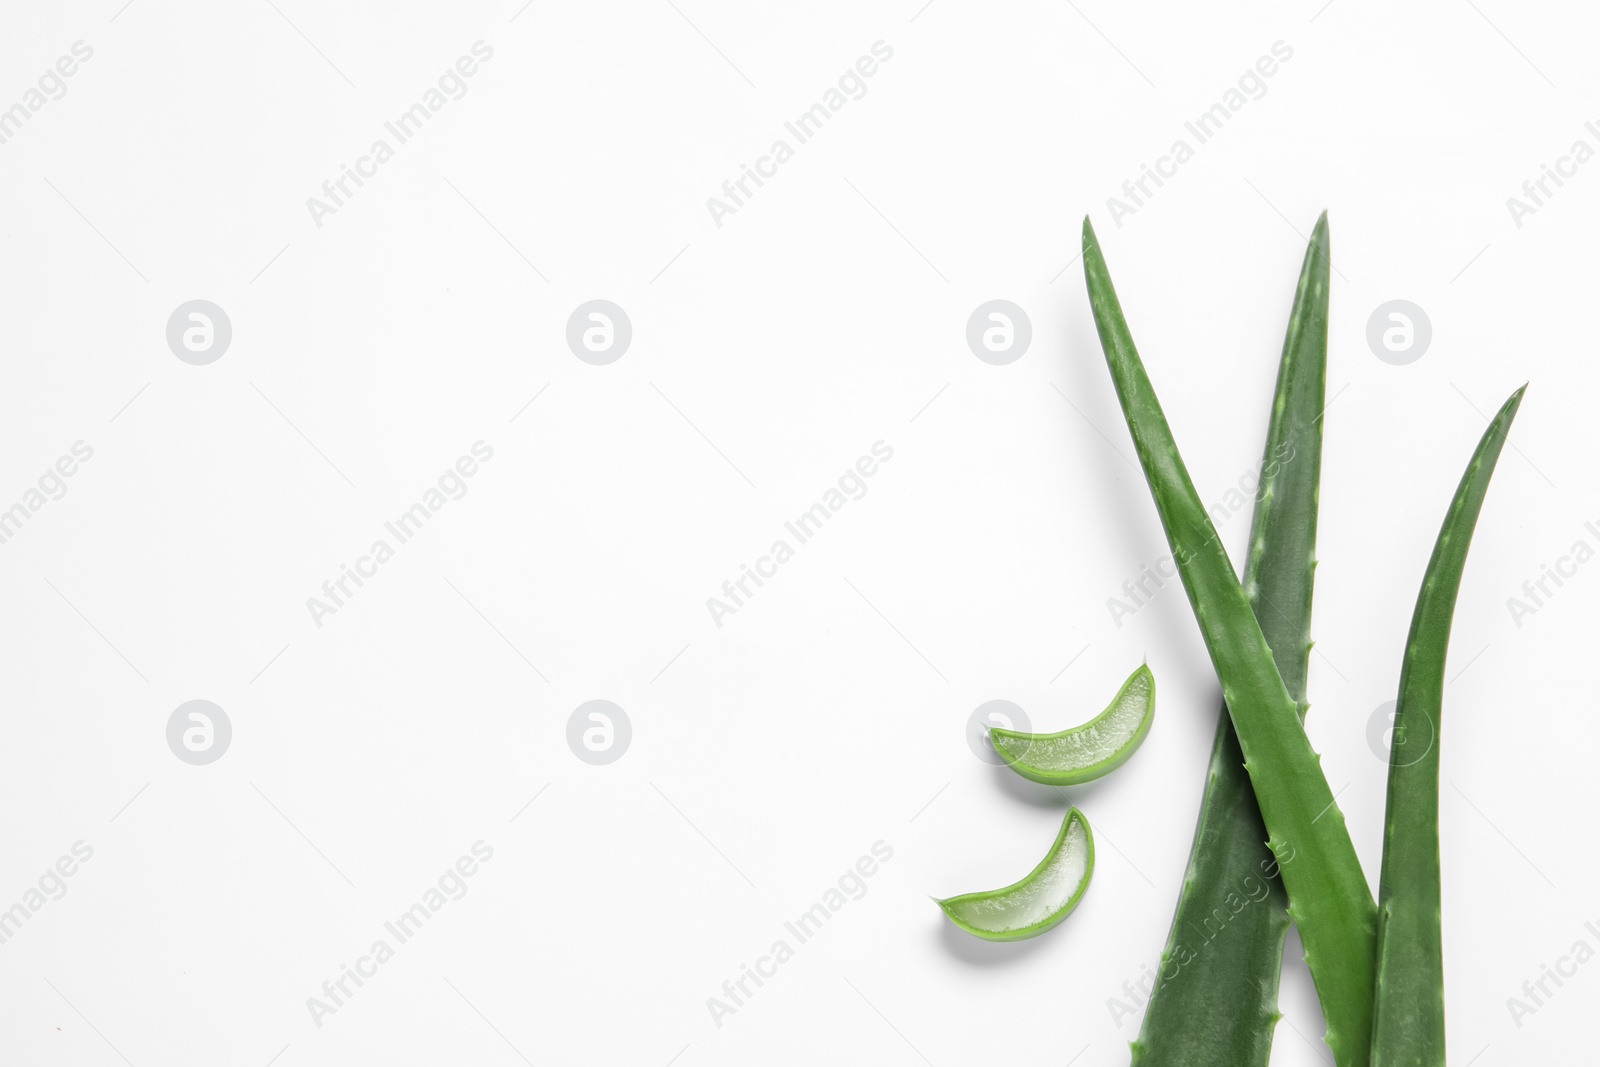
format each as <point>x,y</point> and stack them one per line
<point>1508,410</point>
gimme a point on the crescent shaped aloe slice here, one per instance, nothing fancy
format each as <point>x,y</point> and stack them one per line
<point>1329,899</point>
<point>1038,902</point>
<point>1409,1027</point>
<point>1085,752</point>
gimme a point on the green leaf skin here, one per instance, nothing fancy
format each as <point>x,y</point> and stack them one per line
<point>1409,1025</point>
<point>1329,899</point>
<point>1090,751</point>
<point>1038,902</point>
<point>1215,1003</point>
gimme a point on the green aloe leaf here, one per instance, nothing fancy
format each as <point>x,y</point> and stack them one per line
<point>1085,752</point>
<point>1328,895</point>
<point>1038,902</point>
<point>1215,1002</point>
<point>1409,1025</point>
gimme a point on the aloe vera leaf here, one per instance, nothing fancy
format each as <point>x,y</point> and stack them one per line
<point>1408,1028</point>
<point>1329,899</point>
<point>1038,902</point>
<point>1085,752</point>
<point>1215,1003</point>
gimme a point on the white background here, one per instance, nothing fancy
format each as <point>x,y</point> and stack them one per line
<point>768,354</point>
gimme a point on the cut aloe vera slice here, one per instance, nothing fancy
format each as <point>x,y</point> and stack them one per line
<point>1085,752</point>
<point>1041,900</point>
